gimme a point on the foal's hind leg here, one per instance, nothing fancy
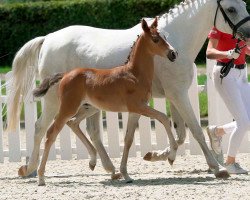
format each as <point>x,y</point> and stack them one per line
<point>66,112</point>
<point>52,133</point>
<point>150,112</point>
<point>85,111</point>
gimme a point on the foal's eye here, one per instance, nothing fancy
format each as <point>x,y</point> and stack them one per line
<point>231,10</point>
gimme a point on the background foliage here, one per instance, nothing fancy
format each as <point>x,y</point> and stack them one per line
<point>22,20</point>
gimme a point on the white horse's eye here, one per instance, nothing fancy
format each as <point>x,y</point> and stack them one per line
<point>231,10</point>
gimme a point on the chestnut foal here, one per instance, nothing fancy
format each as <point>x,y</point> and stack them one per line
<point>125,88</point>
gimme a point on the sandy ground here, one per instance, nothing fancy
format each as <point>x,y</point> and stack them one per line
<point>187,179</point>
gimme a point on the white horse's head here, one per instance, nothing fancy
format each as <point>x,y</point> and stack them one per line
<point>236,11</point>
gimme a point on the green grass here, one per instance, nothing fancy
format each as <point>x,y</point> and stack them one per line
<point>4,69</point>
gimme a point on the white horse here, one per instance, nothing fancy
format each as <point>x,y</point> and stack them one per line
<point>188,25</point>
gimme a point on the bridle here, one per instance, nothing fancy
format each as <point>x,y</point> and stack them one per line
<point>231,24</point>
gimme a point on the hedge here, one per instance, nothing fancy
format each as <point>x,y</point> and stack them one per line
<point>20,22</point>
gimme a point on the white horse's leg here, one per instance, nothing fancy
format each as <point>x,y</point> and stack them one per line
<point>49,111</point>
<point>93,128</point>
<point>182,103</point>
<point>178,124</point>
<point>84,112</point>
<point>128,140</point>
<point>184,106</point>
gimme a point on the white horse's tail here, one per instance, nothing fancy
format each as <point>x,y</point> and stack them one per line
<point>24,68</point>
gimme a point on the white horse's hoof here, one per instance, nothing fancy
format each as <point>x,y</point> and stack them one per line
<point>171,162</point>
<point>92,166</point>
<point>156,156</point>
<point>127,177</point>
<point>116,176</point>
<point>130,180</point>
<point>222,173</point>
<point>148,156</point>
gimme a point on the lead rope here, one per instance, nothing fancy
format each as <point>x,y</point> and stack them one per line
<point>227,67</point>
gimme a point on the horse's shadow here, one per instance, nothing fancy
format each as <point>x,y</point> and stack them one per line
<point>204,180</point>
<point>163,181</point>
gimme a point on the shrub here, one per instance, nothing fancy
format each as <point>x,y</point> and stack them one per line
<point>20,22</point>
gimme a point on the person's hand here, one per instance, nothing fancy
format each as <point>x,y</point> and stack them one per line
<point>233,54</point>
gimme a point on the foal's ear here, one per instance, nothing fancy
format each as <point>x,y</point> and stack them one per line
<point>144,26</point>
<point>155,23</point>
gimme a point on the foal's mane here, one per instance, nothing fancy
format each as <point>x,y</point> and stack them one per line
<point>132,50</point>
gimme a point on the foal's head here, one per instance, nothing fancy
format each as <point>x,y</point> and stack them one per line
<point>156,43</point>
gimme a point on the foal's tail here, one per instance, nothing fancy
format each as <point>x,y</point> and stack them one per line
<point>21,80</point>
<point>46,84</point>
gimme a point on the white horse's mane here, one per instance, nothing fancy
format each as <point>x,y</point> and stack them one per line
<point>178,7</point>
<point>165,15</point>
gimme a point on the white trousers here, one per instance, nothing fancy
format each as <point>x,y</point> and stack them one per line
<point>235,92</point>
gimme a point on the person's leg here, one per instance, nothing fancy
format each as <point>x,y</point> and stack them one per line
<point>231,90</point>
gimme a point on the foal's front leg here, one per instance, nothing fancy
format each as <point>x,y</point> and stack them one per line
<point>150,112</point>
<point>128,140</point>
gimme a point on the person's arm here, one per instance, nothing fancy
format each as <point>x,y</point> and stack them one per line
<point>213,53</point>
<point>248,50</point>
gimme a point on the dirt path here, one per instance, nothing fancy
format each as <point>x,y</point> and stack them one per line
<point>187,179</point>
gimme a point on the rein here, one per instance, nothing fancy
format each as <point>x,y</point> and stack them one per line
<point>227,67</point>
<point>227,19</point>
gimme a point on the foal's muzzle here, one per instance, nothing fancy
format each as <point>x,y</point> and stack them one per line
<point>172,55</point>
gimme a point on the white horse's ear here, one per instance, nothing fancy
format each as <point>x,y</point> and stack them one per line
<point>155,23</point>
<point>144,26</point>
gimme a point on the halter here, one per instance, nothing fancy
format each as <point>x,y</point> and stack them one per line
<point>230,23</point>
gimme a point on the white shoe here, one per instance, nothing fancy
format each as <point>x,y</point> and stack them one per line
<point>235,168</point>
<point>215,140</point>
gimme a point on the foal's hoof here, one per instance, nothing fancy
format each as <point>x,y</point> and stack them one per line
<point>41,183</point>
<point>222,173</point>
<point>23,171</point>
<point>116,176</point>
<point>148,156</point>
<point>171,162</point>
<point>92,166</point>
